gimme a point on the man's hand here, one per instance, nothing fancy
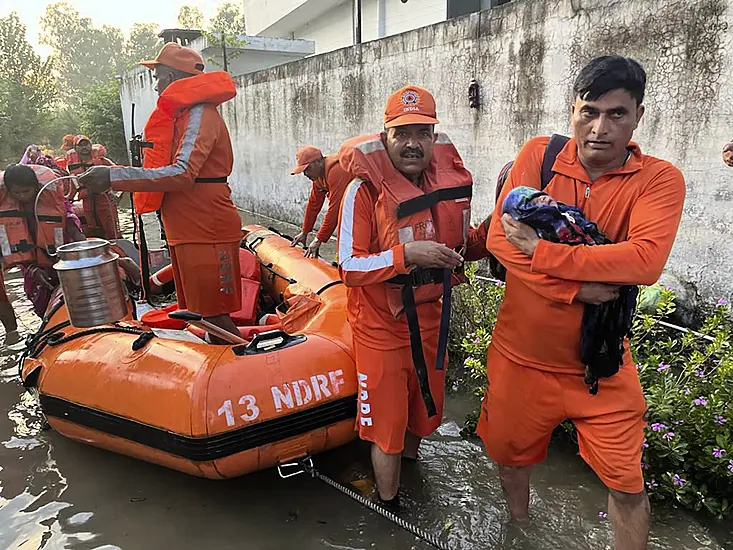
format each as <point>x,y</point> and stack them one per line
<point>312,250</point>
<point>520,235</point>
<point>431,254</point>
<point>597,293</point>
<point>300,238</point>
<point>96,179</point>
<point>728,154</point>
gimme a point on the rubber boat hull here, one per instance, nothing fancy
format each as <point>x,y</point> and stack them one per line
<point>209,411</point>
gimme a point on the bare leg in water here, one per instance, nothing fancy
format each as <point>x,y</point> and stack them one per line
<point>225,322</point>
<point>515,483</point>
<point>631,516</point>
<point>386,472</point>
<point>7,317</point>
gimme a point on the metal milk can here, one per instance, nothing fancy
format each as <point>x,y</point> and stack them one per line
<point>91,283</point>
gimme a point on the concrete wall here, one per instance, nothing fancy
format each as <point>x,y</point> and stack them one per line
<point>525,56</point>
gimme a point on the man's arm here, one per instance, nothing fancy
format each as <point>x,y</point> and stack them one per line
<point>313,208</point>
<point>655,218</point>
<point>199,139</point>
<point>357,265</point>
<point>526,171</point>
<point>337,180</point>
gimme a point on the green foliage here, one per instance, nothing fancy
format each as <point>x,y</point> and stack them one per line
<point>687,380</point>
<point>85,55</point>
<point>229,19</point>
<point>190,17</point>
<point>101,119</point>
<point>143,43</point>
<point>27,90</point>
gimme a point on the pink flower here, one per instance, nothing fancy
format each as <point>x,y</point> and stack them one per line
<point>701,402</point>
<point>678,481</point>
<point>719,419</point>
<point>668,436</point>
<point>730,465</point>
<point>603,515</point>
<point>651,484</point>
<point>662,367</point>
<point>658,427</point>
<point>723,302</point>
<point>718,453</point>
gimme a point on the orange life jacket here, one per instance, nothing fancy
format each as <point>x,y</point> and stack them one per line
<point>76,166</point>
<point>17,244</point>
<point>440,210</point>
<point>214,88</point>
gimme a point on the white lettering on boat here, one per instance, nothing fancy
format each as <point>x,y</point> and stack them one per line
<point>252,411</point>
<point>301,392</point>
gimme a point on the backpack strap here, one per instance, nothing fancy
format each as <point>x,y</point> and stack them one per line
<point>556,144</point>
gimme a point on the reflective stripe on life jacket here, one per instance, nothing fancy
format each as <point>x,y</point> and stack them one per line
<point>17,244</point>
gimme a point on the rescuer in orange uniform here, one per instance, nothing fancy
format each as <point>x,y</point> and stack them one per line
<point>185,175</point>
<point>534,362</point>
<point>404,224</point>
<point>329,180</point>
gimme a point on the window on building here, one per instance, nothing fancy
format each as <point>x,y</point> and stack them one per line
<point>457,8</point>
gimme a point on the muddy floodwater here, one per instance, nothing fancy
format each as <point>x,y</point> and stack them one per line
<point>59,494</point>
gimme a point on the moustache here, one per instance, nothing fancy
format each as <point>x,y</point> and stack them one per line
<point>412,153</point>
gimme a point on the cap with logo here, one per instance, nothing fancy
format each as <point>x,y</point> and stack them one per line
<point>177,57</point>
<point>304,156</point>
<point>410,105</point>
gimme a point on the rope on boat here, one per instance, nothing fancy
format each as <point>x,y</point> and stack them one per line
<point>418,532</point>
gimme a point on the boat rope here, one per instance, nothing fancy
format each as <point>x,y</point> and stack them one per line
<point>418,532</point>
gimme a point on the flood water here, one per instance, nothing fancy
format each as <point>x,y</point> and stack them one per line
<point>59,494</point>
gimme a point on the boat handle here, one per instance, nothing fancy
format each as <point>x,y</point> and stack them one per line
<point>292,469</point>
<point>268,341</point>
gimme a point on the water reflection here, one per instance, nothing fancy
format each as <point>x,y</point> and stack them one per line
<point>55,493</point>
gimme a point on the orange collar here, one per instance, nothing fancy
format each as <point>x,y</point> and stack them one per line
<point>568,163</point>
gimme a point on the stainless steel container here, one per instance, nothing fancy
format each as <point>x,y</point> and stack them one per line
<point>92,286</point>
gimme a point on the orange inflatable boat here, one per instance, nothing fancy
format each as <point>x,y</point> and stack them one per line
<point>168,397</point>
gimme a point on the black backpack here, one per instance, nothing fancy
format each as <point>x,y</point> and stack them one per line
<point>556,144</point>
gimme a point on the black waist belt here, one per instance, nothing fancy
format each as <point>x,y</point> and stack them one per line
<point>221,179</point>
<point>78,165</point>
<point>416,278</point>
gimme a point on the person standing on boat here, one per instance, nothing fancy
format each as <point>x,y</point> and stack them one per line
<point>404,226</point>
<point>100,210</point>
<point>329,180</point>
<point>535,371</point>
<point>185,176</point>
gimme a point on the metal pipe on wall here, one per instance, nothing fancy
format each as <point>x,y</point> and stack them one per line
<point>357,22</point>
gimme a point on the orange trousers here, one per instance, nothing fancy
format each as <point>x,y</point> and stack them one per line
<point>523,405</point>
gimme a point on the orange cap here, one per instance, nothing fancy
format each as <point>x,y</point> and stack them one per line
<point>177,57</point>
<point>79,138</point>
<point>410,105</point>
<point>304,156</point>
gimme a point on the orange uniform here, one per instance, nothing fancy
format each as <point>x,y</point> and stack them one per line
<point>534,364</point>
<point>201,222</point>
<point>333,185</point>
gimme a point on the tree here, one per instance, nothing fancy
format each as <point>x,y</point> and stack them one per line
<point>101,119</point>
<point>85,55</point>
<point>27,90</point>
<point>229,19</point>
<point>190,17</point>
<point>142,43</point>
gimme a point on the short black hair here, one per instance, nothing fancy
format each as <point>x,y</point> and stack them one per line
<point>20,175</point>
<point>610,72</point>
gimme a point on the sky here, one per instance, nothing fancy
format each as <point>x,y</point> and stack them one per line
<point>119,13</point>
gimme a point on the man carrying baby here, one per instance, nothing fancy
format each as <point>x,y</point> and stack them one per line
<point>535,371</point>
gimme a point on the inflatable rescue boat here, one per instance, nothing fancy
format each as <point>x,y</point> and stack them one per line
<point>166,396</point>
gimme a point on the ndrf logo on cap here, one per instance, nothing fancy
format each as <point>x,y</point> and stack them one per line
<point>410,105</point>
